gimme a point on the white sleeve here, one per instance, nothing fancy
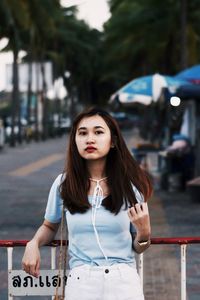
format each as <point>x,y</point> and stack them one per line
<point>53,212</point>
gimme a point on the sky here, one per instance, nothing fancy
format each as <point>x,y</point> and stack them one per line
<point>94,12</point>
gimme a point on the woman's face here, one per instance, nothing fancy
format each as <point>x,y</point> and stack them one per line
<point>93,138</point>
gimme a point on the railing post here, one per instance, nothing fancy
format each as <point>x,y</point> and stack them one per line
<point>140,267</point>
<point>183,272</point>
<point>53,258</point>
<point>53,262</point>
<point>10,264</point>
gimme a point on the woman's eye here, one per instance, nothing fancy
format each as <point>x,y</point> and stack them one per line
<point>82,133</point>
<point>98,132</point>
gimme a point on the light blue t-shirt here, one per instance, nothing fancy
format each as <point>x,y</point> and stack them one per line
<point>114,232</point>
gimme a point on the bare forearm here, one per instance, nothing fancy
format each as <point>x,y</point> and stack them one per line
<point>43,236</point>
<point>138,247</point>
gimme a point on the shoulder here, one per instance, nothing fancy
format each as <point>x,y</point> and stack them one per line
<point>54,204</point>
<point>57,182</point>
<point>59,179</point>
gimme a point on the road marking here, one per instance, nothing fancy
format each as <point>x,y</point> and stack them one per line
<point>37,165</point>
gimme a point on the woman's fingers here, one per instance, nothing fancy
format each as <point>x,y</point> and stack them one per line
<point>139,217</point>
<point>37,269</point>
<point>138,210</point>
<point>145,208</point>
<point>32,268</point>
<point>25,268</point>
<point>139,214</point>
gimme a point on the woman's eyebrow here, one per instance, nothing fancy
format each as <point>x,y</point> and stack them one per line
<point>85,128</point>
<point>82,128</point>
<point>97,127</point>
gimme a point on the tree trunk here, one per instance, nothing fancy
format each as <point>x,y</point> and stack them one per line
<point>16,109</point>
<point>183,43</point>
<point>29,97</point>
<point>44,104</point>
<point>36,135</point>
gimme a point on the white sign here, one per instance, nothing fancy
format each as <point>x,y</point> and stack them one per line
<point>22,284</point>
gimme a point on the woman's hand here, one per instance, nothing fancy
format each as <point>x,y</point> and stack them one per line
<point>139,217</point>
<point>31,259</point>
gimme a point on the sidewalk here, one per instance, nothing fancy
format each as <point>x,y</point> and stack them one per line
<point>181,219</point>
<point>161,266</point>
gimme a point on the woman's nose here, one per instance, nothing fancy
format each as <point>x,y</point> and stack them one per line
<point>90,139</point>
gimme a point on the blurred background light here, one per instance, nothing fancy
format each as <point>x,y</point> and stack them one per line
<point>175,101</point>
<point>3,43</point>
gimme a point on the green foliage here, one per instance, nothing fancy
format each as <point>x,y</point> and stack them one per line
<point>143,37</point>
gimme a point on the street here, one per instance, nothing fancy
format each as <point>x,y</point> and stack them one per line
<point>27,173</point>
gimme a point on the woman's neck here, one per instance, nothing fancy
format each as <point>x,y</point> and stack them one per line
<point>96,169</point>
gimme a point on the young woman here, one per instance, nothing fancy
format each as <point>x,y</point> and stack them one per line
<point>105,194</point>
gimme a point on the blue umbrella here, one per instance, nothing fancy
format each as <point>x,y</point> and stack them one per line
<point>191,74</point>
<point>147,89</point>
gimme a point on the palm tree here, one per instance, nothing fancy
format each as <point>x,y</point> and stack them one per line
<point>183,14</point>
<point>144,37</point>
<point>42,18</point>
<point>15,19</point>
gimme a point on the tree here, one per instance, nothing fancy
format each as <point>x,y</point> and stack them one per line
<point>144,37</point>
<point>13,15</point>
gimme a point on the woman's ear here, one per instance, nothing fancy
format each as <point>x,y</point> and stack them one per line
<point>113,143</point>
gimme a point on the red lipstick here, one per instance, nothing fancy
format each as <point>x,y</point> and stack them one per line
<point>90,149</point>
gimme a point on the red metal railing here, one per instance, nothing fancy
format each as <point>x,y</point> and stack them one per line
<point>154,241</point>
<point>182,241</point>
<point>22,243</point>
<point>176,240</point>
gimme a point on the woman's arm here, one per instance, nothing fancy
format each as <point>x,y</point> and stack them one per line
<point>140,245</point>
<point>139,217</point>
<point>44,235</point>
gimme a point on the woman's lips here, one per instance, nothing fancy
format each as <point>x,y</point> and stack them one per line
<point>90,149</point>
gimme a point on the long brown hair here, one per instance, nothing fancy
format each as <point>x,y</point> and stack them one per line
<point>122,171</point>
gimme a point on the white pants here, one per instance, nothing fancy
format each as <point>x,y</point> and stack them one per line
<point>117,282</point>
